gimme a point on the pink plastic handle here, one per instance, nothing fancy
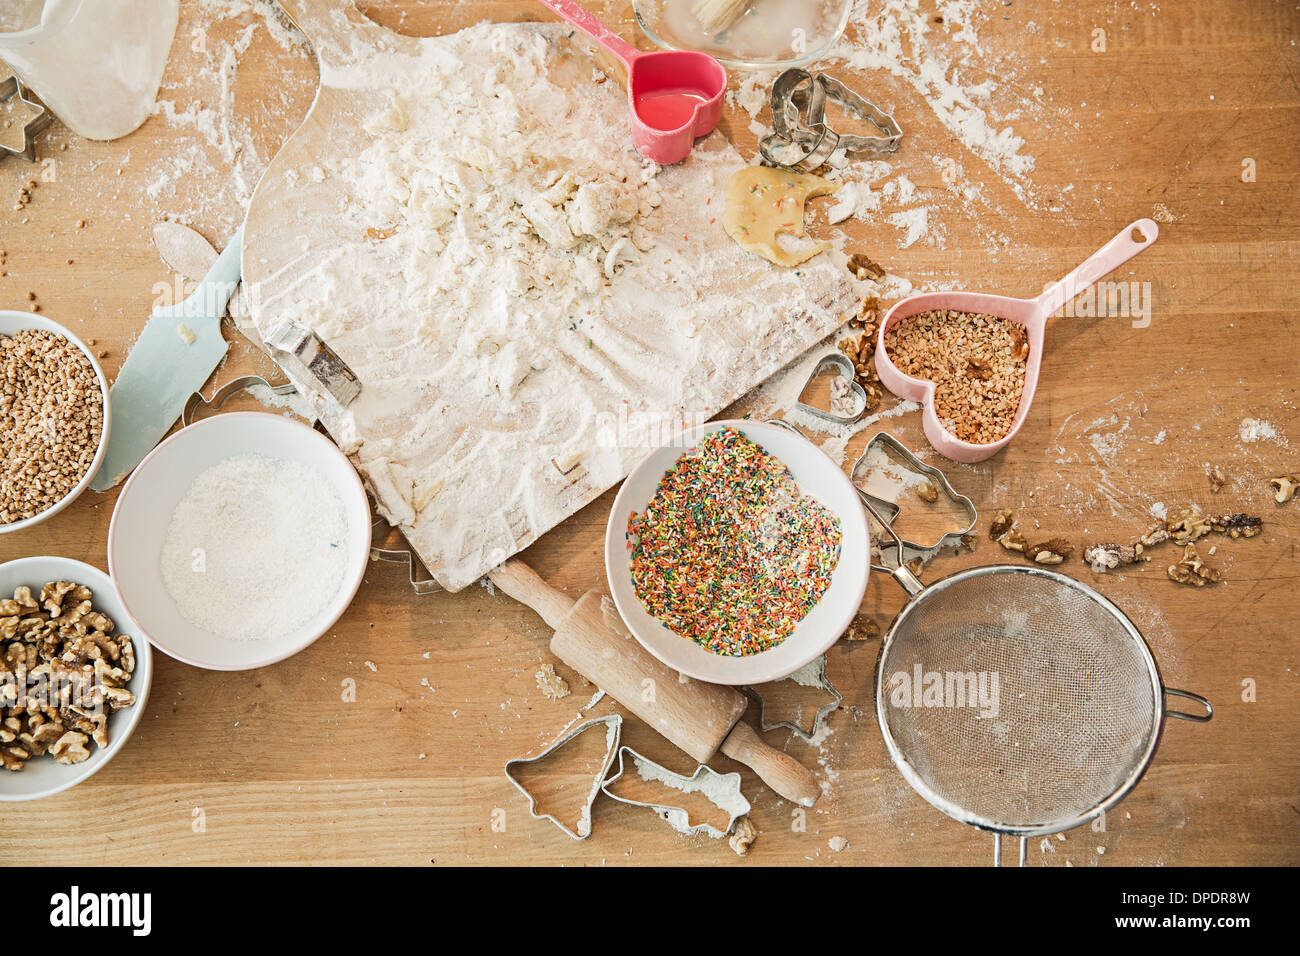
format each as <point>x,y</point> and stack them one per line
<point>1100,264</point>
<point>584,21</point>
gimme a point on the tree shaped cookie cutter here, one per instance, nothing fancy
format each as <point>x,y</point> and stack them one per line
<point>613,729</point>
<point>733,802</point>
<point>890,510</point>
<point>799,119</point>
<point>10,89</point>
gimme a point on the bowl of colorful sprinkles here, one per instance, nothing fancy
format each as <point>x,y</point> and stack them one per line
<point>737,554</point>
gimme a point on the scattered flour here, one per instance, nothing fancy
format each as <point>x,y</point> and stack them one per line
<point>1254,429</point>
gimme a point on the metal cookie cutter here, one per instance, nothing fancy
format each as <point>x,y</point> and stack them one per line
<point>810,675</point>
<point>839,361</point>
<point>420,585</point>
<point>299,350</point>
<point>733,802</point>
<point>10,89</point>
<point>890,509</point>
<point>223,394</point>
<point>799,119</point>
<point>613,729</point>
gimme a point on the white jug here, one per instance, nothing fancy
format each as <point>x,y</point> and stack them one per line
<point>96,64</point>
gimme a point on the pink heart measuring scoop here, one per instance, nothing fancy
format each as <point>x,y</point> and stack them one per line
<point>1031,313</point>
<point>675,96</point>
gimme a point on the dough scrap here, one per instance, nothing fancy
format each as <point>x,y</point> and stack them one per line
<point>763,202</point>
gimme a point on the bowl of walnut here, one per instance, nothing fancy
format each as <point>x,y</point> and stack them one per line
<point>73,681</point>
<point>54,419</point>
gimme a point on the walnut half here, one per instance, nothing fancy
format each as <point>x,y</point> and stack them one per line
<point>1285,487</point>
<point>1191,570</point>
<point>1054,551</point>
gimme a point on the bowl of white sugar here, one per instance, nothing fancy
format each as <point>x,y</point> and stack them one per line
<point>239,540</point>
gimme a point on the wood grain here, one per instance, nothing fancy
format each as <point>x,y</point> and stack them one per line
<point>275,766</point>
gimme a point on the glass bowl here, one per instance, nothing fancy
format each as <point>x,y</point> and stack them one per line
<point>771,34</point>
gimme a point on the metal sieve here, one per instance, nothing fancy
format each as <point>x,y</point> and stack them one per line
<point>1016,699</point>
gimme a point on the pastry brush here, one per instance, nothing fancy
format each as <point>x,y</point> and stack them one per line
<point>717,15</point>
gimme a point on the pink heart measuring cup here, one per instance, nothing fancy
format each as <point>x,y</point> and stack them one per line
<point>1031,313</point>
<point>675,96</point>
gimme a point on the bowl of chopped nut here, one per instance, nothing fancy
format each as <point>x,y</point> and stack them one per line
<point>54,419</point>
<point>73,681</point>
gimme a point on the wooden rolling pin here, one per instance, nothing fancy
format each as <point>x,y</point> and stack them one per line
<point>700,718</point>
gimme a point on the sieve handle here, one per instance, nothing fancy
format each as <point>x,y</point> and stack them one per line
<point>906,579</point>
<point>1188,695</point>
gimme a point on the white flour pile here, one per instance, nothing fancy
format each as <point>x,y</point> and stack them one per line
<point>256,548</point>
<point>519,292</point>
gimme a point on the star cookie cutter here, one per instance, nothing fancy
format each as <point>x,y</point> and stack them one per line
<point>890,510</point>
<point>812,674</point>
<point>735,805</point>
<point>840,361</point>
<point>799,119</point>
<point>9,89</point>
<point>613,729</point>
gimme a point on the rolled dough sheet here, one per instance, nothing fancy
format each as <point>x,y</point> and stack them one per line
<point>529,305</point>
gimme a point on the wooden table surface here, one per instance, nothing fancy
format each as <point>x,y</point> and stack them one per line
<point>1190,114</point>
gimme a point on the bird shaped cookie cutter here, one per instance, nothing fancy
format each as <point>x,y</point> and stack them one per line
<point>731,801</point>
<point>891,509</point>
<point>11,89</point>
<point>799,120</point>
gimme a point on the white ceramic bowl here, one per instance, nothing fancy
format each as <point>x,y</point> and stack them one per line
<point>11,322</point>
<point>817,476</point>
<point>144,511</point>
<point>42,776</point>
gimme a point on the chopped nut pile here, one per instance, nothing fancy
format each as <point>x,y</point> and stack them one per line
<point>860,349</point>
<point>51,418</point>
<point>61,671</point>
<point>977,363</point>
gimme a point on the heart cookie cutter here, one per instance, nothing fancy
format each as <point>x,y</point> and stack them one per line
<point>735,805</point>
<point>840,361</point>
<point>1030,313</point>
<point>613,729</point>
<point>11,89</point>
<point>799,120</point>
<point>891,509</point>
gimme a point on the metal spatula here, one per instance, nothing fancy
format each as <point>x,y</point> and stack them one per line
<point>179,348</point>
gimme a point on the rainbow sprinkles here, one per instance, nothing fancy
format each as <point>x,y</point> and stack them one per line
<point>728,552</point>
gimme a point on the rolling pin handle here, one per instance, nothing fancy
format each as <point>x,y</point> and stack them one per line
<point>524,585</point>
<point>778,770</point>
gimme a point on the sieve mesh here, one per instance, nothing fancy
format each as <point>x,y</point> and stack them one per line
<point>1069,704</point>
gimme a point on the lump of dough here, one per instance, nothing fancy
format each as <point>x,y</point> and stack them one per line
<point>763,202</point>
<point>599,208</point>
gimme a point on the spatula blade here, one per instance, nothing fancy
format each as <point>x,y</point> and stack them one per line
<point>177,351</point>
